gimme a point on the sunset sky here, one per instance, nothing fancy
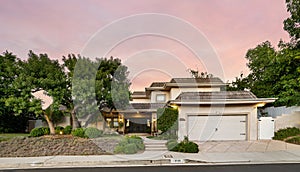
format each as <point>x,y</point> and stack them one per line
<point>231,27</point>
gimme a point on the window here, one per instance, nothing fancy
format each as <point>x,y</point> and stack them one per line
<point>160,98</point>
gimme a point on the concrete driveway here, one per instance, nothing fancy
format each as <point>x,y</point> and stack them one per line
<point>246,146</point>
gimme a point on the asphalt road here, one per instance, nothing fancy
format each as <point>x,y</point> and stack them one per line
<point>202,168</point>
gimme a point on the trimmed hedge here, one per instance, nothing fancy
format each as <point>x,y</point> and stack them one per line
<point>129,145</point>
<point>285,133</point>
<point>167,117</point>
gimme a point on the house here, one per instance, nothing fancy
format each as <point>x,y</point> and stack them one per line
<point>206,110</point>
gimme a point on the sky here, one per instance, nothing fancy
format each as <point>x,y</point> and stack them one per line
<point>156,39</point>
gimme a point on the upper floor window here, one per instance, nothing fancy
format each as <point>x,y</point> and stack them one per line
<point>160,98</point>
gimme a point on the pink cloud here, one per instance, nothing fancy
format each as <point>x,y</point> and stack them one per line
<point>63,27</point>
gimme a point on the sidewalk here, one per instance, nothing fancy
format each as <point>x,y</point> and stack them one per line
<point>211,153</point>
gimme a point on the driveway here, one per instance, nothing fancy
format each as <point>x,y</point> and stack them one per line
<point>246,146</point>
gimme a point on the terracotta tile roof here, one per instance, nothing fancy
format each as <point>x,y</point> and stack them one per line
<point>222,95</point>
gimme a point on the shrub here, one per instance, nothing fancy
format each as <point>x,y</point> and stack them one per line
<point>67,129</point>
<point>130,145</point>
<point>58,129</point>
<point>78,132</point>
<point>294,140</point>
<point>37,132</point>
<point>285,133</point>
<point>167,118</point>
<point>171,144</point>
<point>130,148</point>
<point>185,146</point>
<point>93,132</point>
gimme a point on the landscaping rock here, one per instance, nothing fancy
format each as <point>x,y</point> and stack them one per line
<point>55,145</point>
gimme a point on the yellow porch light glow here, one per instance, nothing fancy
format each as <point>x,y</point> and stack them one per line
<point>174,106</point>
<point>261,104</point>
<point>61,132</point>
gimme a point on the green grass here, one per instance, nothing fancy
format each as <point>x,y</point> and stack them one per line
<point>7,136</point>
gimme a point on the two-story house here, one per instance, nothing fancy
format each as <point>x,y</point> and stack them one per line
<point>206,110</point>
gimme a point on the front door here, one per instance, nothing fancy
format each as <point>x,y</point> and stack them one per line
<point>140,124</point>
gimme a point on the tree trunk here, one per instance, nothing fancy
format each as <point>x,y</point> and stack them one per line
<point>50,124</point>
<point>75,123</point>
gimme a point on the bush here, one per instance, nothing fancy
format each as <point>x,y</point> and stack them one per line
<point>78,132</point>
<point>130,145</point>
<point>93,132</point>
<point>67,129</point>
<point>58,129</point>
<point>285,133</point>
<point>37,132</point>
<point>130,148</point>
<point>185,146</point>
<point>294,140</point>
<point>167,118</point>
<point>171,144</point>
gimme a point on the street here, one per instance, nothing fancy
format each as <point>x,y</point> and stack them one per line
<point>205,168</point>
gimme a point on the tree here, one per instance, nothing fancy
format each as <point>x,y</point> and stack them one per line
<point>97,85</point>
<point>39,73</point>
<point>9,71</point>
<point>292,24</point>
<point>195,74</point>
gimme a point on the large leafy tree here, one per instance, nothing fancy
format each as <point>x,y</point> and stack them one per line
<point>96,85</point>
<point>39,72</point>
<point>276,73</point>
<point>292,24</point>
<point>9,71</point>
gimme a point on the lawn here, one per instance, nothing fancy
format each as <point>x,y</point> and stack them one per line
<point>7,136</point>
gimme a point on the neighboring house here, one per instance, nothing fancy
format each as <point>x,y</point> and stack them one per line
<point>206,110</point>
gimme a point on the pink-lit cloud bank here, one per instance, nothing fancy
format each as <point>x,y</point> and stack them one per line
<point>62,27</point>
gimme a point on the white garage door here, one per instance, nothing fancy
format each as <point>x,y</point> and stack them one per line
<point>209,128</point>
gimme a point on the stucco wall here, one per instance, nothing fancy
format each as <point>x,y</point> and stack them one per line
<point>287,120</point>
<point>140,101</point>
<point>250,111</point>
<point>154,93</point>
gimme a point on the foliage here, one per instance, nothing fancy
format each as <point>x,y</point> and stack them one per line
<point>129,145</point>
<point>105,79</point>
<point>79,132</point>
<point>38,73</point>
<point>275,72</point>
<point>167,117</point>
<point>282,134</point>
<point>171,144</point>
<point>185,146</point>
<point>9,71</point>
<point>195,74</point>
<point>294,140</point>
<point>37,132</point>
<point>92,132</point>
<point>67,129</point>
<point>291,24</point>
<point>58,129</point>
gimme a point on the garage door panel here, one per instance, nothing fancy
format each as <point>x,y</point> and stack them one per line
<point>204,128</point>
